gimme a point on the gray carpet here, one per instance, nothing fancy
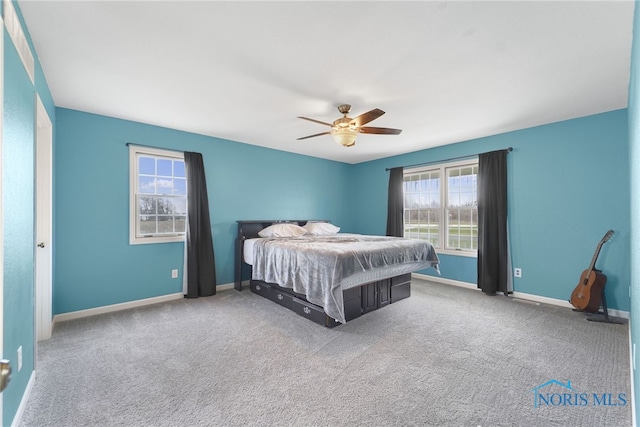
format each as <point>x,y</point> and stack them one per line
<point>446,356</point>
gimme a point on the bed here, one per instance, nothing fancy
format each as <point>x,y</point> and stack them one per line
<point>328,277</point>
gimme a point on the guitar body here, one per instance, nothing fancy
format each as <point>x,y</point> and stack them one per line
<point>587,296</point>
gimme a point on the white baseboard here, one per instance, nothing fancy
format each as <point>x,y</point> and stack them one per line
<point>529,297</point>
<point>24,400</point>
<point>227,286</point>
<point>131,304</point>
<point>115,307</point>
<point>445,281</point>
<point>631,379</point>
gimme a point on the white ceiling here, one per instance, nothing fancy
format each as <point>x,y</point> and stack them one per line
<point>443,71</point>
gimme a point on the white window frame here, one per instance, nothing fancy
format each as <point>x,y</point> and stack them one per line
<point>134,238</point>
<point>442,168</point>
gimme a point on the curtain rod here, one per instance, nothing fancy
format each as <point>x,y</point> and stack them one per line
<point>508,150</point>
<point>152,146</point>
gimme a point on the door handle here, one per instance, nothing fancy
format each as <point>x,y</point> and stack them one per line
<point>5,374</point>
<point>41,245</point>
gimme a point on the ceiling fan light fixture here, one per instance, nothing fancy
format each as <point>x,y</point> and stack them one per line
<point>345,129</point>
<point>345,136</point>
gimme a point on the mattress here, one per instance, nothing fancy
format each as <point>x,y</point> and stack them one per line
<point>361,277</point>
<point>248,251</point>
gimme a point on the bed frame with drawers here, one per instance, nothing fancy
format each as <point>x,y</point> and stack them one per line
<point>357,300</point>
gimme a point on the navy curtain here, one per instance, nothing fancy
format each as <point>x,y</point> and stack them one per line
<point>395,203</point>
<point>201,269</point>
<point>493,245</point>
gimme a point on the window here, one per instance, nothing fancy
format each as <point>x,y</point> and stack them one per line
<point>158,199</point>
<point>441,206</point>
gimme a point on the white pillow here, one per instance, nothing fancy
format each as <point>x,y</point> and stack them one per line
<point>282,230</point>
<point>320,228</point>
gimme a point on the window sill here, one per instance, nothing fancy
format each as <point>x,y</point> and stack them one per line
<point>468,254</point>
<point>152,240</point>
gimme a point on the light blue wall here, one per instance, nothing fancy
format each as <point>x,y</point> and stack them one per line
<point>96,266</point>
<point>18,207</point>
<point>568,184</point>
<point>634,179</point>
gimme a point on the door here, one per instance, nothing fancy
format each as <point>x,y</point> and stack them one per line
<point>1,195</point>
<point>44,253</point>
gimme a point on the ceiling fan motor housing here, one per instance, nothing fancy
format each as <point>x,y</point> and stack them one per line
<point>344,108</point>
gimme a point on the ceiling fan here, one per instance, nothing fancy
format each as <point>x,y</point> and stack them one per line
<point>345,129</point>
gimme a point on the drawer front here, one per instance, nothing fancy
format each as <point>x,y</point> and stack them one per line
<point>313,313</point>
<point>400,279</point>
<point>280,297</point>
<point>260,288</point>
<point>401,291</point>
<point>352,308</point>
<point>351,293</point>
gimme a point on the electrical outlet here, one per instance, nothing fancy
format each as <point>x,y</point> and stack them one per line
<point>19,358</point>
<point>174,273</point>
<point>517,272</point>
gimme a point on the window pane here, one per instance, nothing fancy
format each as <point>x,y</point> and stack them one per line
<point>180,186</point>
<point>180,206</point>
<point>164,186</point>
<point>147,184</point>
<point>178,168</point>
<point>426,218</point>
<point>453,229</point>
<point>462,230</point>
<point>161,195</point>
<point>422,200</point>
<point>165,206</point>
<point>165,224</point>
<point>165,167</point>
<point>462,196</point>
<point>435,181</point>
<point>146,165</point>
<point>453,197</point>
<point>180,224</point>
<point>434,201</point>
<point>474,229</point>
<point>147,225</point>
<point>466,198</point>
<point>147,205</point>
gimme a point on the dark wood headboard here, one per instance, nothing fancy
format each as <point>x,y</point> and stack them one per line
<point>250,230</point>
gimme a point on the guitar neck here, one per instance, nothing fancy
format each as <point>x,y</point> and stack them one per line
<point>595,257</point>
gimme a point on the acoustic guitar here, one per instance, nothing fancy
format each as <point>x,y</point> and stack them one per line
<point>587,296</point>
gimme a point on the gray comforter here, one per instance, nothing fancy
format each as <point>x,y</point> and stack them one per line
<point>320,267</point>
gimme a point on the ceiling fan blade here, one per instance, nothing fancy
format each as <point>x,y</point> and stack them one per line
<point>365,118</point>
<point>380,131</point>
<point>315,121</point>
<point>311,136</point>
